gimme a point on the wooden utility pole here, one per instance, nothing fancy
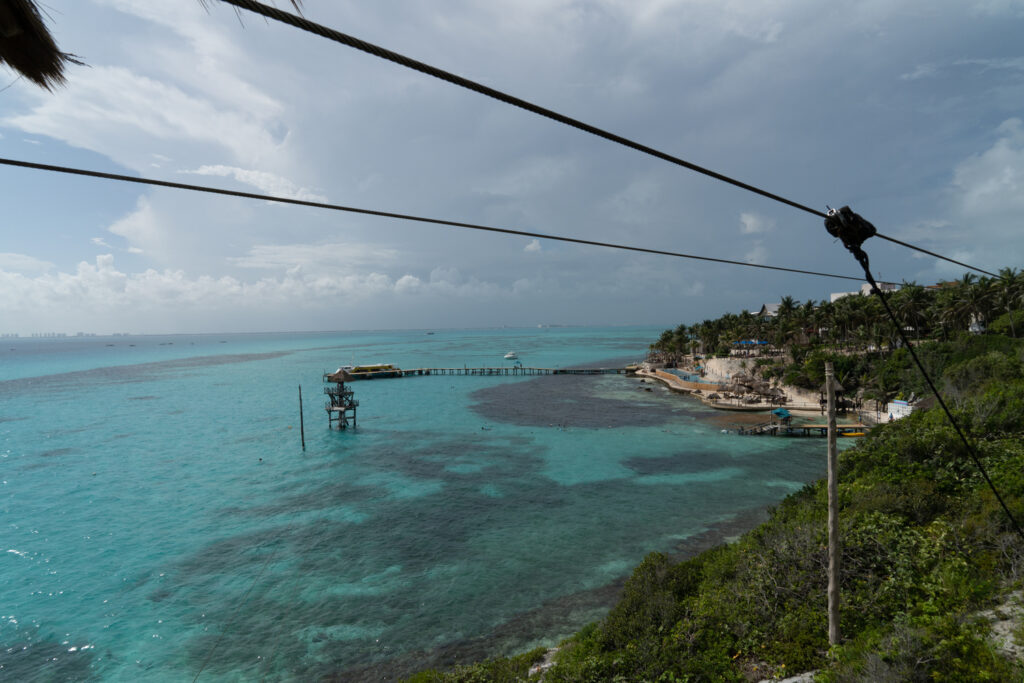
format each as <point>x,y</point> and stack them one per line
<point>833,512</point>
<point>302,424</point>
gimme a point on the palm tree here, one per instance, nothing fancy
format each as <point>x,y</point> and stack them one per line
<point>680,341</point>
<point>910,304</point>
<point>664,344</point>
<point>27,46</point>
<point>1008,294</point>
<point>786,307</point>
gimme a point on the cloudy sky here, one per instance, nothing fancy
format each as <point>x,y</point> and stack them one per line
<point>910,112</point>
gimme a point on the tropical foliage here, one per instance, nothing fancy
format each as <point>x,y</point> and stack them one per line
<point>856,334</point>
<point>925,545</point>
<point>854,324</point>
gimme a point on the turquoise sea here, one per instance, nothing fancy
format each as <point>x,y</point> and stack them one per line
<point>160,517</point>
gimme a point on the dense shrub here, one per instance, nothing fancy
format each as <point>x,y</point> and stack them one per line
<point>924,545</point>
<point>1010,324</point>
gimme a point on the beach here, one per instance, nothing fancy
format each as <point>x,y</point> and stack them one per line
<point>711,381</point>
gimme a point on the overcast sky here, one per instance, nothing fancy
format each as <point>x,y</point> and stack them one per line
<point>910,112</point>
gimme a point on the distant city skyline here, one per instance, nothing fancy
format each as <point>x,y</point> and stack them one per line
<point>911,114</point>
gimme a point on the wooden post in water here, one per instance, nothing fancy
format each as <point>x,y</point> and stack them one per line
<point>833,512</point>
<point>302,424</point>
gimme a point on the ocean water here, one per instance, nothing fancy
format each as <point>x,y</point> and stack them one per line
<point>161,519</point>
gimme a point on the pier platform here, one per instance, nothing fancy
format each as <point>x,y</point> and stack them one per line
<point>776,429</point>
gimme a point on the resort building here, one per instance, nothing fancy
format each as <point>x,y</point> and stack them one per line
<point>865,290</point>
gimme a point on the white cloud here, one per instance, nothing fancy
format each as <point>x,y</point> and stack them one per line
<point>998,7</point>
<point>23,264</point>
<point>1010,63</point>
<point>142,228</point>
<point>100,242</point>
<point>752,224</point>
<point>992,183</point>
<point>268,183</point>
<point>449,276</point>
<point>758,253</point>
<point>116,112</point>
<point>533,246</point>
<point>530,176</point>
<point>211,54</point>
<point>919,72</point>
<point>294,258</point>
<point>100,288</point>
<point>451,282</point>
<point>633,203</point>
<point>708,17</point>
<point>987,202</point>
<point>408,284</point>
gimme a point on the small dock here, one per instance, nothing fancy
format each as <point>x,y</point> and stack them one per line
<point>817,430</point>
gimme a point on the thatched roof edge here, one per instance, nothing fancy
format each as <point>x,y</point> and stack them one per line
<point>27,46</point>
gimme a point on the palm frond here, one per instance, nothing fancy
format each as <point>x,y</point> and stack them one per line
<point>27,46</point>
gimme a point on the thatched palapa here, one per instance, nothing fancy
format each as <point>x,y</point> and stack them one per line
<point>27,46</point>
<point>835,383</point>
<point>341,375</point>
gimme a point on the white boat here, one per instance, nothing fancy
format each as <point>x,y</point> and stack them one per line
<point>511,355</point>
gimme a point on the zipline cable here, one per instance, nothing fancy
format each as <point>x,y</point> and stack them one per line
<point>304,24</point>
<point>377,51</point>
<point>402,216</point>
<point>938,256</point>
<point>853,230</point>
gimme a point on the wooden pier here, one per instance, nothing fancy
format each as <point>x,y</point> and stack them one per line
<point>341,405</point>
<point>513,371</point>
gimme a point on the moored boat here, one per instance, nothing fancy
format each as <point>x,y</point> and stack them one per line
<point>375,371</point>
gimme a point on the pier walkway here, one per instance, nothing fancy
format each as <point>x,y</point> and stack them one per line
<point>777,429</point>
<point>508,371</point>
<point>515,371</point>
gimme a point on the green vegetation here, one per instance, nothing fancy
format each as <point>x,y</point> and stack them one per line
<point>855,333</point>
<point>925,545</point>
<point>499,670</point>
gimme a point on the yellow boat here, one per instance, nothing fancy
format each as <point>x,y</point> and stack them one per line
<point>375,371</point>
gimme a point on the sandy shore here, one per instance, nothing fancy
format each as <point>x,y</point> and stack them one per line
<point>718,374</point>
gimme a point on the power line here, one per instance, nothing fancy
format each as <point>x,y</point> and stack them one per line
<point>383,53</point>
<point>402,216</point>
<point>377,51</point>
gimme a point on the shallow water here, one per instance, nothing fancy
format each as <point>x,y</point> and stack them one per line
<point>159,514</point>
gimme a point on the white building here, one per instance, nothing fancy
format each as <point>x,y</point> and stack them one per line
<point>897,409</point>
<point>865,290</point>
